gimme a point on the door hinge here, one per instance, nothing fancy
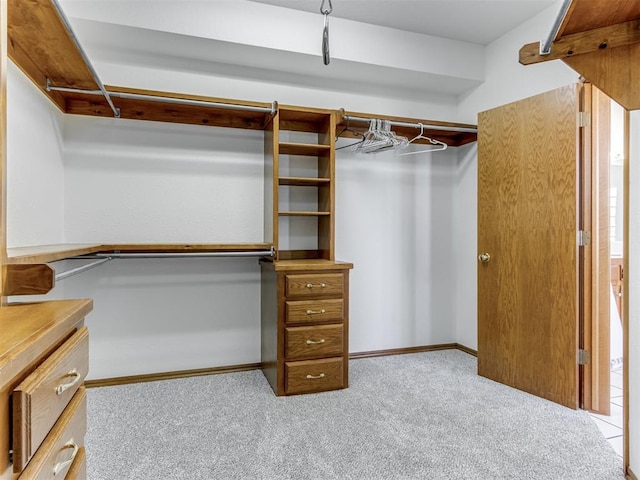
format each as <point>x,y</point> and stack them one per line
<point>584,119</point>
<point>584,238</point>
<point>584,357</point>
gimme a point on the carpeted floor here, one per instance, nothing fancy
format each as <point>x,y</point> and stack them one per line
<point>420,416</point>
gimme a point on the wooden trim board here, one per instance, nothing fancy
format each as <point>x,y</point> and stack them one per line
<point>631,475</point>
<point>154,377</point>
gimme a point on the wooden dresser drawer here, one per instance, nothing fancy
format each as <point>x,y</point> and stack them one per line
<point>40,399</point>
<point>60,449</point>
<point>316,284</point>
<point>310,376</point>
<point>313,342</point>
<point>305,311</point>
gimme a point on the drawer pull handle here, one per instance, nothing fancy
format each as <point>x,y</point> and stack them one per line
<point>66,386</point>
<point>315,342</point>
<point>316,312</point>
<point>310,377</point>
<point>58,467</point>
<point>321,285</point>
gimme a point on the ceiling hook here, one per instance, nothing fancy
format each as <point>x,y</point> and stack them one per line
<point>323,9</point>
<point>325,31</point>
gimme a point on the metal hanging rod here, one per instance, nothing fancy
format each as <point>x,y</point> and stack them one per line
<point>545,47</point>
<point>260,253</point>
<point>83,268</point>
<point>83,54</point>
<point>393,123</point>
<point>155,98</point>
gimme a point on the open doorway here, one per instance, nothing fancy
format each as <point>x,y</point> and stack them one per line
<point>612,425</point>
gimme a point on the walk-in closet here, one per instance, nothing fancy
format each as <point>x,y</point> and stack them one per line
<point>260,227</point>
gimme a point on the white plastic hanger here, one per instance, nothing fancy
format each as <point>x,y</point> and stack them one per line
<point>440,145</point>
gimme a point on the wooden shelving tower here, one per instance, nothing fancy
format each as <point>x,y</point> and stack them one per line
<point>300,183</point>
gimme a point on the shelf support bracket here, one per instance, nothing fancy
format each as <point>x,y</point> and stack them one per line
<point>28,279</point>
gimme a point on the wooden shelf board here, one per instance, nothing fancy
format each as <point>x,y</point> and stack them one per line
<point>586,15</point>
<point>450,137</point>
<point>52,253</point>
<point>314,150</point>
<point>49,253</point>
<point>303,181</point>
<point>159,111</point>
<point>41,47</point>
<point>306,264</point>
<point>304,214</point>
<point>185,248</point>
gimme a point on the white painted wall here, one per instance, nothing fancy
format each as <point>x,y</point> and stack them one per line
<point>394,220</point>
<point>633,295</point>
<point>35,170</point>
<point>166,315</point>
<point>505,81</point>
<point>128,181</point>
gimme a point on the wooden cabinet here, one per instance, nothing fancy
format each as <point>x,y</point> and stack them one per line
<point>305,292</point>
<point>43,362</point>
<point>305,325</point>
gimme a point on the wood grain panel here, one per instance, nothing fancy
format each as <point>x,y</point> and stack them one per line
<point>313,150</point>
<point>314,285</point>
<point>3,155</point>
<point>36,33</point>
<point>527,221</point>
<point>30,332</point>
<point>310,376</point>
<point>613,71</point>
<point>38,400</point>
<point>80,104</point>
<point>597,40</point>
<point>598,371</point>
<point>301,343</point>
<point>450,137</point>
<point>71,427</point>
<point>271,193</point>
<point>591,14</point>
<point>78,470</point>
<point>307,311</point>
<point>184,247</point>
<point>49,253</point>
<point>269,326</point>
<point>34,279</point>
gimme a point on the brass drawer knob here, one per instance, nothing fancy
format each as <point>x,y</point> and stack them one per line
<point>321,285</point>
<point>315,342</point>
<point>310,377</point>
<point>316,312</point>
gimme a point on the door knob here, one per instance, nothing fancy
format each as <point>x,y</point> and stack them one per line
<point>484,257</point>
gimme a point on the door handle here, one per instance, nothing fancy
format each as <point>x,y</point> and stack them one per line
<point>484,257</point>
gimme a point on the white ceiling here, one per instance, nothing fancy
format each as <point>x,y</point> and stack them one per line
<point>475,21</point>
<point>279,41</point>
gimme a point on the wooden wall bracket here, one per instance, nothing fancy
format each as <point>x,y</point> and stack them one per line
<point>29,279</point>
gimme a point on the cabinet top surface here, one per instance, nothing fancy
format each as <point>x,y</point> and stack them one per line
<point>22,324</point>
<point>303,265</point>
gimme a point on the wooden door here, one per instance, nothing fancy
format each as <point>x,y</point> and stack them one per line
<point>528,290</point>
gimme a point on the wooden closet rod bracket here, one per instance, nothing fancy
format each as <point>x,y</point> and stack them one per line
<point>94,74</point>
<point>394,123</point>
